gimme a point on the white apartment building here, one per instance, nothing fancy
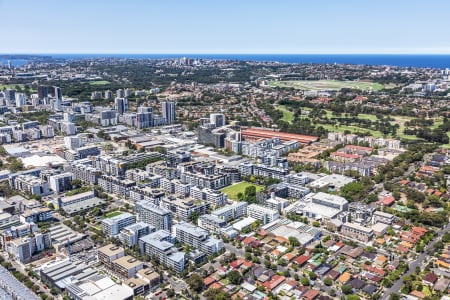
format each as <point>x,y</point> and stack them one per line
<point>261,213</point>
<point>232,211</point>
<point>112,226</point>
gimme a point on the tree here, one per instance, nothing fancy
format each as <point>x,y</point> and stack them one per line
<point>108,147</point>
<point>15,164</point>
<point>194,217</point>
<point>394,296</point>
<point>76,183</point>
<point>304,281</point>
<point>216,294</point>
<point>293,241</point>
<point>170,293</point>
<point>327,281</point>
<point>347,289</point>
<point>357,191</point>
<point>332,293</point>
<point>234,277</point>
<point>195,282</point>
<point>386,282</point>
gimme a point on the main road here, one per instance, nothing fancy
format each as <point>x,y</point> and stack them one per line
<point>399,283</point>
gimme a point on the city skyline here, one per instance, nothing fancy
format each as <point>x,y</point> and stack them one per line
<point>232,27</point>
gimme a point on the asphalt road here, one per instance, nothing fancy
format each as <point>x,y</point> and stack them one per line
<point>177,285</point>
<point>233,249</point>
<point>418,262</point>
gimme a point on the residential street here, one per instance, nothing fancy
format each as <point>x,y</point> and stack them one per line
<point>418,262</point>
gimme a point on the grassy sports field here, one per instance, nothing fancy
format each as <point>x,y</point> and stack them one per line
<point>99,82</point>
<point>233,190</point>
<point>333,85</point>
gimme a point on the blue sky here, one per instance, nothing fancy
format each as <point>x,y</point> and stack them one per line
<point>226,26</point>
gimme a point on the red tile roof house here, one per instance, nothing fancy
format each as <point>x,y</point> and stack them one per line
<point>216,285</point>
<point>237,263</point>
<point>301,260</point>
<point>288,256</point>
<point>208,281</point>
<point>248,240</point>
<point>246,265</point>
<point>417,294</point>
<point>402,249</point>
<point>430,279</point>
<point>373,270</point>
<point>419,230</point>
<point>310,294</point>
<point>275,281</point>
<point>388,200</point>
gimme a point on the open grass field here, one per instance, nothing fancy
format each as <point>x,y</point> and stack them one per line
<point>446,146</point>
<point>13,86</point>
<point>328,85</point>
<point>9,86</point>
<point>233,190</point>
<point>99,82</point>
<point>288,115</point>
<point>113,214</point>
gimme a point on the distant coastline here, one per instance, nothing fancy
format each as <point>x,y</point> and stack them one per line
<point>440,61</point>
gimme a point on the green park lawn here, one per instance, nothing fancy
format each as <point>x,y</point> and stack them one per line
<point>233,190</point>
<point>288,116</point>
<point>99,82</point>
<point>113,214</point>
<point>446,146</point>
<point>335,85</point>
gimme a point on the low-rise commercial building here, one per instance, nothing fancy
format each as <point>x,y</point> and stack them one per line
<point>127,266</point>
<point>383,217</point>
<point>109,253</point>
<point>357,232</point>
<point>98,287</point>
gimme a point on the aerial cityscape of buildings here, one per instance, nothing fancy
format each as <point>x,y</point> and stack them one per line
<point>216,178</point>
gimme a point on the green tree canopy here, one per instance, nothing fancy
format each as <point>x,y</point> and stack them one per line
<point>195,282</point>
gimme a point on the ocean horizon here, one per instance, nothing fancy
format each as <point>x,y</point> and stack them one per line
<point>439,61</point>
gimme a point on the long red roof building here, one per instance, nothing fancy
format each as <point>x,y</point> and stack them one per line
<point>257,134</point>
